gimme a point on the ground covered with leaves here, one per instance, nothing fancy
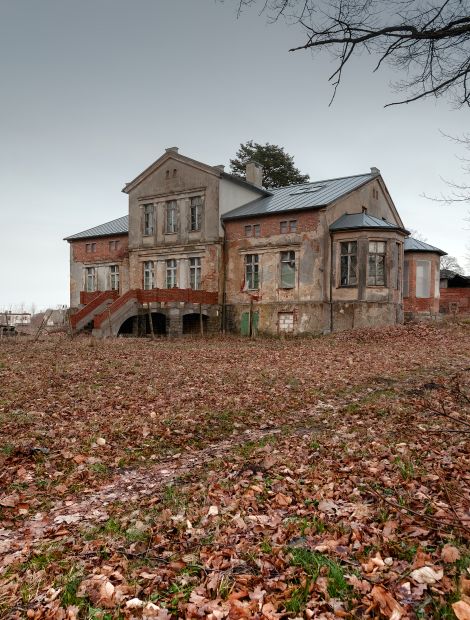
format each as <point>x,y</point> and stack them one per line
<point>228,478</point>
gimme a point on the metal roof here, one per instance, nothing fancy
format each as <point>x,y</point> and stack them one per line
<point>349,221</point>
<point>415,245</point>
<point>120,226</point>
<point>298,197</point>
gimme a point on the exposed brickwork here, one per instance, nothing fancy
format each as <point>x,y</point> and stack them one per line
<point>103,251</point>
<point>419,305</point>
<point>87,297</point>
<point>270,225</point>
<point>455,300</point>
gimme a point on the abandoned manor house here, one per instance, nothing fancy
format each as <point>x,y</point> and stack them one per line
<point>204,250</point>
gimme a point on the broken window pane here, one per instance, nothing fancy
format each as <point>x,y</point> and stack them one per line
<point>252,271</point>
<point>288,269</point>
<point>196,212</point>
<point>348,263</point>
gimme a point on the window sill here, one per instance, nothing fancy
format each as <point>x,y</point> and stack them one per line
<point>347,286</point>
<point>286,288</point>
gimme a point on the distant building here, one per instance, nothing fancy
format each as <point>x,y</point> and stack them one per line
<point>203,250</point>
<point>15,318</point>
<point>455,292</point>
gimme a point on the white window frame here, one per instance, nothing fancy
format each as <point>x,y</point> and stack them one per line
<point>149,219</point>
<point>195,213</point>
<point>252,279</point>
<point>171,272</point>
<point>149,275</point>
<point>114,277</point>
<point>421,281</point>
<point>171,219</point>
<point>195,273</point>
<point>286,259</point>
<point>90,279</point>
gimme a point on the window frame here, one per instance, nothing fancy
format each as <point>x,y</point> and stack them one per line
<point>285,258</point>
<point>252,279</point>
<point>256,230</point>
<point>376,254</point>
<point>149,219</point>
<point>171,273</point>
<point>248,230</point>
<point>349,260</point>
<point>149,275</point>
<point>171,206</point>
<point>195,271</point>
<point>195,213</point>
<point>114,277</point>
<point>90,271</point>
<point>427,264</point>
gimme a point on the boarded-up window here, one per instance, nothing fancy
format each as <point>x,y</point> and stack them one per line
<point>286,322</point>
<point>406,278</point>
<point>287,269</point>
<point>423,279</point>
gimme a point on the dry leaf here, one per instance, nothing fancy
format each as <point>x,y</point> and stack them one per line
<point>450,554</point>
<point>461,610</point>
<point>427,575</point>
<point>388,605</point>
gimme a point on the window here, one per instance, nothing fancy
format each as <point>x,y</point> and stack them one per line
<point>195,273</point>
<point>288,269</point>
<point>90,248</point>
<point>376,267</point>
<point>90,279</point>
<point>113,245</point>
<point>148,220</point>
<point>114,277</point>
<point>256,230</point>
<point>406,278</point>
<point>252,271</point>
<point>248,230</point>
<point>148,275</point>
<point>171,273</point>
<point>171,217</point>
<point>196,212</point>
<point>288,226</point>
<point>423,279</point>
<point>286,322</point>
<point>348,263</point>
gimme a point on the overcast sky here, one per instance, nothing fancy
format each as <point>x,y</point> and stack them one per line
<point>92,91</point>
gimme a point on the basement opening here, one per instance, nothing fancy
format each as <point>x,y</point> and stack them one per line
<point>192,324</point>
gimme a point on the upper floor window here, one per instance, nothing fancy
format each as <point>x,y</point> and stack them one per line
<point>253,230</point>
<point>149,219</point>
<point>348,263</point>
<point>114,245</point>
<point>248,230</point>
<point>196,212</point>
<point>171,273</point>
<point>90,279</point>
<point>252,271</point>
<point>90,248</point>
<point>256,230</point>
<point>376,263</point>
<point>288,269</point>
<point>148,275</point>
<point>114,277</point>
<point>287,226</point>
<point>195,273</point>
<point>171,224</point>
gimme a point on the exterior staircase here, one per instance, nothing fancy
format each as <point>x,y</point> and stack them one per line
<point>96,306</point>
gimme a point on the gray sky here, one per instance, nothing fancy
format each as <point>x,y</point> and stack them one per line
<point>92,91</point>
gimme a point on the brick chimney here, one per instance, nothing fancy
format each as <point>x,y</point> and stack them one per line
<point>254,173</point>
<point>375,171</point>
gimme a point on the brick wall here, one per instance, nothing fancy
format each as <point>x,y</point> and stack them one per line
<point>271,224</point>
<point>421,305</point>
<point>455,300</point>
<point>103,252</point>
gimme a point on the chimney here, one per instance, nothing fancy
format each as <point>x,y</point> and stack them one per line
<point>171,149</point>
<point>220,167</point>
<point>254,173</point>
<point>375,171</point>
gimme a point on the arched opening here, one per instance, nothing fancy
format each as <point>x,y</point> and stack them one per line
<point>192,323</point>
<point>129,327</point>
<point>158,322</point>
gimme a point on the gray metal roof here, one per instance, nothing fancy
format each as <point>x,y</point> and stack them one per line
<point>120,226</point>
<point>297,197</point>
<point>415,245</point>
<point>349,221</point>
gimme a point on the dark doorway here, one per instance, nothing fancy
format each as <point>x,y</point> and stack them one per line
<point>129,327</point>
<point>192,323</point>
<point>159,324</point>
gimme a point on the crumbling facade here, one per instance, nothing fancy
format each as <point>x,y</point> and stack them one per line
<point>202,251</point>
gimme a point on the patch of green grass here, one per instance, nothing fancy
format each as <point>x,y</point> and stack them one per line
<point>70,588</point>
<point>173,498</point>
<point>266,546</point>
<point>313,562</point>
<point>298,599</point>
<point>406,468</point>
<point>7,449</point>
<point>100,468</point>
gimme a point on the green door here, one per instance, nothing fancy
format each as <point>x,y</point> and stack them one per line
<point>245,324</point>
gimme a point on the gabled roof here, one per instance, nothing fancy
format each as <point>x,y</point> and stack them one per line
<point>120,226</point>
<point>298,197</point>
<point>349,221</point>
<point>415,245</point>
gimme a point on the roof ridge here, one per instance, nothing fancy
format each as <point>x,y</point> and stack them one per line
<point>350,176</point>
<point>82,232</point>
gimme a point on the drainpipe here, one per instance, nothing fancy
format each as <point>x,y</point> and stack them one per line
<point>331,282</point>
